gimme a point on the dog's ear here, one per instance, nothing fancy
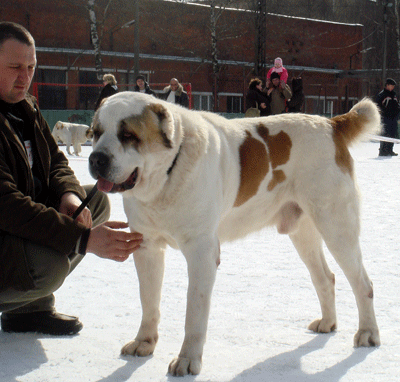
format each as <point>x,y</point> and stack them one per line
<point>166,123</point>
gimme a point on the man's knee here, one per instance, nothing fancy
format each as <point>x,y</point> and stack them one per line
<point>48,268</point>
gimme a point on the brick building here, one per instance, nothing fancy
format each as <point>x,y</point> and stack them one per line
<point>175,41</point>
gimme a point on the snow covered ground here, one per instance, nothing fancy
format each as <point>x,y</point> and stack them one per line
<point>262,303</point>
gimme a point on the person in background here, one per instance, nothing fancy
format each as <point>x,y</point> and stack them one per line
<point>110,88</point>
<point>295,103</point>
<point>277,68</point>
<point>255,98</point>
<point>40,242</point>
<point>278,93</point>
<point>142,86</point>
<point>389,106</point>
<point>174,93</point>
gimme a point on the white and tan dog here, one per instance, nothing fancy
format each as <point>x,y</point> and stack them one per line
<point>72,134</point>
<point>194,179</point>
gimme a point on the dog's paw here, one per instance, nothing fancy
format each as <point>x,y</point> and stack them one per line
<point>139,348</point>
<point>322,326</point>
<point>182,366</point>
<point>367,338</point>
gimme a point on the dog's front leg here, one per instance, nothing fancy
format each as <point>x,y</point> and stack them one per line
<point>203,258</point>
<point>149,263</point>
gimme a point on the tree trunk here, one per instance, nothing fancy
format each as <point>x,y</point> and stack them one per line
<point>214,54</point>
<point>95,39</point>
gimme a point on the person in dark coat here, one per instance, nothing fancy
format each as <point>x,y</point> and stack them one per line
<point>389,106</point>
<point>142,86</point>
<point>174,93</point>
<point>295,104</point>
<point>255,98</point>
<point>110,88</point>
<point>40,242</point>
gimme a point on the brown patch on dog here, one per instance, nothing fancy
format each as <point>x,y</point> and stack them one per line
<point>144,128</point>
<point>254,166</point>
<point>349,125</point>
<point>96,128</point>
<point>278,176</point>
<point>346,128</point>
<point>342,155</point>
<point>279,146</point>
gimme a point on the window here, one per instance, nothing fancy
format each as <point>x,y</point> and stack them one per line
<point>234,104</point>
<point>88,94</point>
<point>51,97</point>
<point>202,101</point>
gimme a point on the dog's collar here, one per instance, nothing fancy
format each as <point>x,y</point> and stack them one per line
<point>174,161</point>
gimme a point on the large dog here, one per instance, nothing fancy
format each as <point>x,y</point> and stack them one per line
<point>72,134</point>
<point>194,179</point>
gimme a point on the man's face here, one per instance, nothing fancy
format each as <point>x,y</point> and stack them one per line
<point>276,82</point>
<point>390,87</point>
<point>140,83</point>
<point>17,67</point>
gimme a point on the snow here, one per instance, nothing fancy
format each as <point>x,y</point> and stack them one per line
<point>262,303</point>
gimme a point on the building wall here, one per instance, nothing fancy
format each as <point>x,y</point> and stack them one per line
<point>175,42</point>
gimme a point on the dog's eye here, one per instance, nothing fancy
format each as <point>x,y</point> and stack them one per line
<point>130,136</point>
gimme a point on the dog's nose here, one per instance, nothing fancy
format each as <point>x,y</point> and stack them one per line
<point>98,163</point>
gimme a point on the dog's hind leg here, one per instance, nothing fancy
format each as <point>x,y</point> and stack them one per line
<point>339,226</point>
<point>202,257</point>
<point>308,243</point>
<point>150,269</point>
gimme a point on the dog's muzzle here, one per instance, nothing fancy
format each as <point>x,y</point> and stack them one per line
<point>99,164</point>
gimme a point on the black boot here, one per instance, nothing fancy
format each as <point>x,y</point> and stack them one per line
<point>40,322</point>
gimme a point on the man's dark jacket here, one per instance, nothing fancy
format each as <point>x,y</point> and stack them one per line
<point>21,218</point>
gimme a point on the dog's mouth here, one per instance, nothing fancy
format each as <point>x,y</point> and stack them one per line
<point>107,186</point>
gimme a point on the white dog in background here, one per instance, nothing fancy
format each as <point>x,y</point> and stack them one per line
<point>194,179</point>
<point>72,134</point>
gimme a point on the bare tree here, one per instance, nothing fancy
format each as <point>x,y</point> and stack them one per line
<point>95,38</point>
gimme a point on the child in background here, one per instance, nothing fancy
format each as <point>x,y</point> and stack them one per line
<point>277,68</point>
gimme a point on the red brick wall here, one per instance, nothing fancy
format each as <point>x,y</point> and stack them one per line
<point>176,29</point>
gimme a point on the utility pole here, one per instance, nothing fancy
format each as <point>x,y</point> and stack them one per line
<point>386,5</point>
<point>261,40</point>
<point>136,45</point>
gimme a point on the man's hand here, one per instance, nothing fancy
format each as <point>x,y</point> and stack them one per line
<point>70,203</point>
<point>108,242</point>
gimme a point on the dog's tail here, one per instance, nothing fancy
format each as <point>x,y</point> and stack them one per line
<point>364,118</point>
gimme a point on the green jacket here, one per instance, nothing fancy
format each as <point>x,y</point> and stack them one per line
<point>20,217</point>
<point>278,99</point>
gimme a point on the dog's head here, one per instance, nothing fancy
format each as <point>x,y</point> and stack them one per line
<point>89,134</point>
<point>58,130</point>
<point>134,144</point>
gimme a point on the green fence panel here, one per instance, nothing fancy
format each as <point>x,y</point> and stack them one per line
<point>83,117</point>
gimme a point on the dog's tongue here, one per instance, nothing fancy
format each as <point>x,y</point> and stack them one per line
<point>104,185</point>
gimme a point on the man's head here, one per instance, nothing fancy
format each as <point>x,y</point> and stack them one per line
<point>390,84</point>
<point>275,79</point>
<point>17,61</point>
